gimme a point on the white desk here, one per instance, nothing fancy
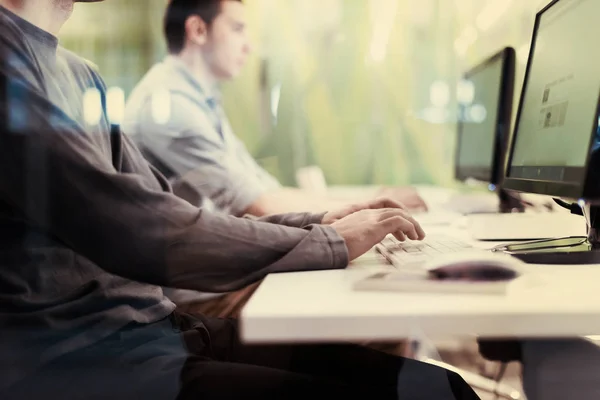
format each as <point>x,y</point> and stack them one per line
<point>547,301</point>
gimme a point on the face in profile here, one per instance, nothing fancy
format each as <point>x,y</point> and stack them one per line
<point>228,46</point>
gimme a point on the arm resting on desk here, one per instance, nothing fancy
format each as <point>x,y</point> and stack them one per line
<point>64,183</point>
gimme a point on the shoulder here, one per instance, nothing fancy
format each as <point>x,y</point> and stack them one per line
<point>165,76</point>
<point>17,59</point>
<point>82,68</point>
<point>75,60</point>
<point>11,33</point>
<point>166,84</point>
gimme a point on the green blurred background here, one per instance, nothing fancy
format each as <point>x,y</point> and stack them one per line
<point>343,84</point>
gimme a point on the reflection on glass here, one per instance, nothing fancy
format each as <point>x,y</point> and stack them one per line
<point>477,113</point>
<point>439,94</point>
<point>92,106</point>
<point>465,92</point>
<point>161,106</point>
<point>115,105</point>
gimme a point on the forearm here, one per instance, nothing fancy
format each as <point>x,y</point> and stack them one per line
<point>290,200</point>
<point>134,230</point>
<point>235,252</point>
<point>297,220</point>
<point>97,197</point>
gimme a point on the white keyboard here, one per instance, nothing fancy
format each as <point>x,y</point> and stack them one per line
<point>414,253</point>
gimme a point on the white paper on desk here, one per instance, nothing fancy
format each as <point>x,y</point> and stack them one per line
<point>525,226</point>
<point>421,282</point>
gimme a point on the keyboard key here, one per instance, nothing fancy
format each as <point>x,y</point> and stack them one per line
<point>411,254</point>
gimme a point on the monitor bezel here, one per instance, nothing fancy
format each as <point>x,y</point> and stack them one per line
<point>495,173</point>
<point>553,188</point>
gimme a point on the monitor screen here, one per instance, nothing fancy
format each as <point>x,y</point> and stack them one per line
<point>559,105</point>
<point>483,119</point>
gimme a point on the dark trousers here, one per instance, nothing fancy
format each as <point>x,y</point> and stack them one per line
<point>190,357</point>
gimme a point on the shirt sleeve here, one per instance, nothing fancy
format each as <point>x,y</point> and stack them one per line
<point>267,181</point>
<point>298,220</point>
<point>60,180</point>
<point>190,145</point>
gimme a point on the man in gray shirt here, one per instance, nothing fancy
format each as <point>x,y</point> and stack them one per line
<point>175,115</point>
<point>89,231</point>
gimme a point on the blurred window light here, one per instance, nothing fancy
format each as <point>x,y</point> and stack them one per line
<point>340,37</point>
<point>491,14</point>
<point>435,115</point>
<point>92,106</point>
<point>115,105</point>
<point>465,92</point>
<point>461,47</point>
<point>161,106</point>
<point>422,14</point>
<point>524,50</point>
<point>523,53</point>
<point>315,16</point>
<point>465,40</point>
<point>383,14</point>
<point>275,98</point>
<point>477,113</point>
<point>439,94</point>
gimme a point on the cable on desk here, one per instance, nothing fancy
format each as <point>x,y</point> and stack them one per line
<point>573,207</point>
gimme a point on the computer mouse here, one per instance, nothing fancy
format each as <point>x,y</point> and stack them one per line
<point>475,266</point>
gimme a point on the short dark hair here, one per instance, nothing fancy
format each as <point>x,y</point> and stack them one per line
<point>178,12</point>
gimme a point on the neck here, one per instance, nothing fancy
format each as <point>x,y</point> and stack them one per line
<point>49,15</point>
<point>196,64</point>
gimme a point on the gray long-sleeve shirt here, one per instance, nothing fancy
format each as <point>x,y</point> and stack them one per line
<point>87,228</point>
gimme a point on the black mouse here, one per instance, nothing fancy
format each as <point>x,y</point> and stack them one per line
<point>475,267</point>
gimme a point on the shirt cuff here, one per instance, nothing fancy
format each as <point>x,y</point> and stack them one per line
<point>314,219</point>
<point>246,195</point>
<point>337,244</point>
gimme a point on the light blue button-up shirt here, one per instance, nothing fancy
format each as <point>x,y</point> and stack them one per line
<point>181,123</point>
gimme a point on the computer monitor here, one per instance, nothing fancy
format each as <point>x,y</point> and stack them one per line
<point>555,146</point>
<point>483,130</point>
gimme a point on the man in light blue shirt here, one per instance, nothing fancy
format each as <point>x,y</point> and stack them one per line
<point>196,142</point>
<point>175,115</point>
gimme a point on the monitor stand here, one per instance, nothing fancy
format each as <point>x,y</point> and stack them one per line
<point>510,202</point>
<point>567,250</point>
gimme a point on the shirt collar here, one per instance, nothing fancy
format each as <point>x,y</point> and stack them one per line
<point>210,91</point>
<point>45,44</point>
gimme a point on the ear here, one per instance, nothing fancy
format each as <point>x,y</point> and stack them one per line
<point>196,30</point>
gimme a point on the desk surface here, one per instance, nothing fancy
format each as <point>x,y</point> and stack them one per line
<point>546,301</point>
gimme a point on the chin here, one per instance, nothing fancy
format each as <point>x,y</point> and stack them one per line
<point>235,73</point>
<point>227,75</point>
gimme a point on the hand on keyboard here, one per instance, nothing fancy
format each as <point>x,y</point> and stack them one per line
<point>381,202</point>
<point>406,195</point>
<point>364,229</point>
<point>410,254</point>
